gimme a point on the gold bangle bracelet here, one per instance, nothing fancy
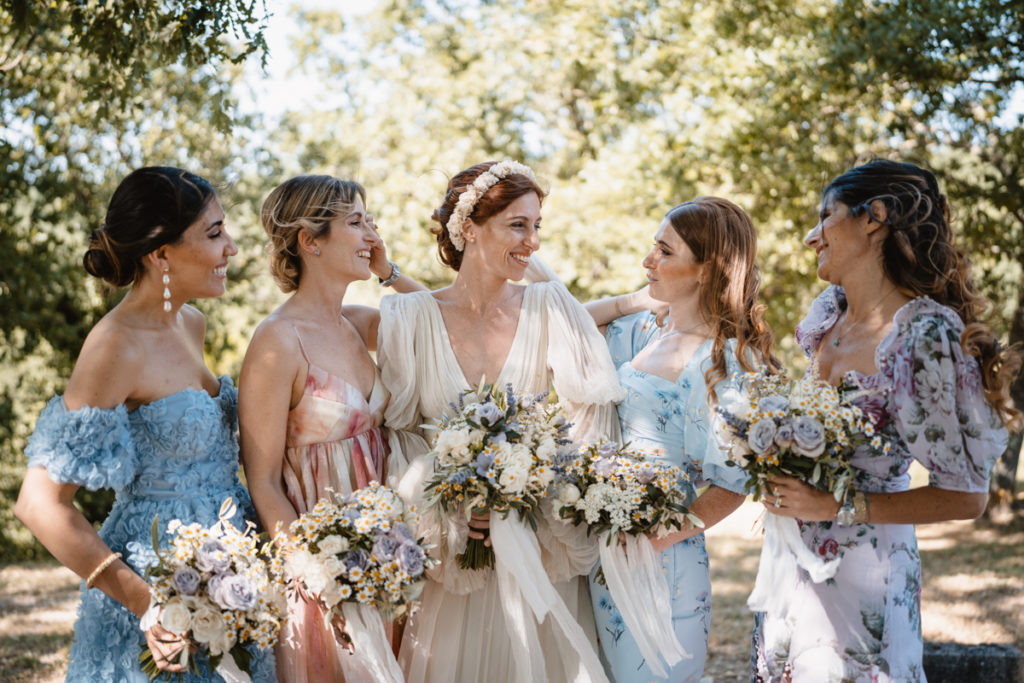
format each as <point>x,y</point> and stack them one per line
<point>101,567</point>
<point>860,507</point>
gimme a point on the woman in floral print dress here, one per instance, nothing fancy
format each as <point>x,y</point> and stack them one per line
<point>900,321</point>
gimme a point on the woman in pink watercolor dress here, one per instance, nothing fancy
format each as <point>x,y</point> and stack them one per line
<point>311,402</point>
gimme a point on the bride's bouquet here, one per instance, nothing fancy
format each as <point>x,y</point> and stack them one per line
<point>495,454</point>
<point>218,586</point>
<point>622,496</point>
<point>356,554</point>
<point>806,429</point>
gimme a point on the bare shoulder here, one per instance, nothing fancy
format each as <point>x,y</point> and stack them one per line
<point>107,370</point>
<point>195,322</point>
<point>274,344</point>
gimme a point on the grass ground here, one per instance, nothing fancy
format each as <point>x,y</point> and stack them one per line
<point>973,593</point>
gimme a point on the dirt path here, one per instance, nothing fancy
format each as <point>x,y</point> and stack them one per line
<point>973,593</point>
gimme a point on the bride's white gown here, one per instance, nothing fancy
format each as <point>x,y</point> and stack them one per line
<point>459,633</point>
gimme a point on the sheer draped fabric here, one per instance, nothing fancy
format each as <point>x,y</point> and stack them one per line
<point>460,633</point>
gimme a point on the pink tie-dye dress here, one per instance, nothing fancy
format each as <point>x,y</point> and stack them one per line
<point>334,441</point>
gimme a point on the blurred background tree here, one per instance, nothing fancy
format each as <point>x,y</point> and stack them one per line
<point>624,108</point>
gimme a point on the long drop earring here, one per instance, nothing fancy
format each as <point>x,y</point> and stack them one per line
<point>167,291</point>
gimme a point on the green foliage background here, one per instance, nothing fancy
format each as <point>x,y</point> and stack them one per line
<point>624,108</point>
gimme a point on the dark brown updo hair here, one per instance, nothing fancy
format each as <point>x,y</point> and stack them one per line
<point>305,202</point>
<point>919,255</point>
<point>494,201</point>
<point>152,207</point>
<point>723,239</point>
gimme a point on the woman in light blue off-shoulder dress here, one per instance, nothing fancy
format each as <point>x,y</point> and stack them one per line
<point>143,415</point>
<point>701,265</point>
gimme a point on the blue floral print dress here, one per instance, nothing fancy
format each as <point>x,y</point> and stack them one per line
<point>864,624</point>
<point>176,457</point>
<point>671,420</point>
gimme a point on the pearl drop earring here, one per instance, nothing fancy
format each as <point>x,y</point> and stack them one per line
<point>167,291</point>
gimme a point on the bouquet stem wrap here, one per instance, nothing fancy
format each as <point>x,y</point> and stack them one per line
<point>782,552</point>
<point>364,625</point>
<point>524,587</point>
<point>637,585</point>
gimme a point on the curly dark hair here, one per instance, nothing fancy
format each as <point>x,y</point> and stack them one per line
<point>920,257</point>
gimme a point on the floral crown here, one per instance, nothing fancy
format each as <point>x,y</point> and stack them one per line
<point>468,199</point>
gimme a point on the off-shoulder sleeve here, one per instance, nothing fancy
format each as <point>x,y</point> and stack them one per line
<point>700,440</point>
<point>628,335</point>
<point>938,402</point>
<point>89,447</point>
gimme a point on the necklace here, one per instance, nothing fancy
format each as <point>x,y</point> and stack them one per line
<point>668,333</point>
<point>839,334</point>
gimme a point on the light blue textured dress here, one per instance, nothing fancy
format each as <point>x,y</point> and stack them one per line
<point>176,457</point>
<point>671,420</point>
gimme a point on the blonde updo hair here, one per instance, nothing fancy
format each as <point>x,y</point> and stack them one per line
<point>305,202</point>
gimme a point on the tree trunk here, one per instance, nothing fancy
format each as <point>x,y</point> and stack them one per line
<point>1003,484</point>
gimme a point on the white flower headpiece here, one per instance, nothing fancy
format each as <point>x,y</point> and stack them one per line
<point>473,193</point>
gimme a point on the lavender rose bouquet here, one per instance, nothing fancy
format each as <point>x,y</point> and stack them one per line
<point>220,587</point>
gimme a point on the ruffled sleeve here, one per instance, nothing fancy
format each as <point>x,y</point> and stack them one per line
<point>628,335</point>
<point>824,311</point>
<point>582,373</point>
<point>700,440</point>
<point>89,447</point>
<point>938,403</point>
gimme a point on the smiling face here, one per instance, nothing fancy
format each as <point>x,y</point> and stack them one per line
<point>198,262</point>
<point>347,244</point>
<point>672,269</point>
<point>506,240</point>
<point>839,239</point>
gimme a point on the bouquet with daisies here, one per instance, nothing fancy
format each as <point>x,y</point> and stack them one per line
<point>624,496</point>
<point>218,586</point>
<point>357,555</point>
<point>806,429</point>
<point>494,454</point>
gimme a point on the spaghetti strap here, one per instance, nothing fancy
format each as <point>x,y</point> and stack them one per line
<point>302,348</point>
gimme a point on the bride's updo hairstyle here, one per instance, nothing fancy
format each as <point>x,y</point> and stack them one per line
<point>152,207</point>
<point>495,200</point>
<point>723,239</point>
<point>305,202</point>
<point>921,258</point>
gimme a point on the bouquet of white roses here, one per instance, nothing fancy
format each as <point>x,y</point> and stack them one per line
<point>357,555</point>
<point>219,587</point>
<point>495,454</point>
<point>806,429</point>
<point>622,495</point>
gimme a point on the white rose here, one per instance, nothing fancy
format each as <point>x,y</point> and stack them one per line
<point>333,565</point>
<point>569,494</point>
<point>521,456</point>
<point>547,449</point>
<point>207,625</point>
<point>175,617</point>
<point>333,544</point>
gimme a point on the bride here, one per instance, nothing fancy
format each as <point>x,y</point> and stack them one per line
<point>536,338</point>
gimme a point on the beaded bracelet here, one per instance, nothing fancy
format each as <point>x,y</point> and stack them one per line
<point>110,559</point>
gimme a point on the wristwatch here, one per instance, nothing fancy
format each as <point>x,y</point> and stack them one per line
<point>847,514</point>
<point>395,274</point>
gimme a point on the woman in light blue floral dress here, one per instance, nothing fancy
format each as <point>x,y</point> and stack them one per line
<point>899,322</point>
<point>143,415</point>
<point>703,266</point>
